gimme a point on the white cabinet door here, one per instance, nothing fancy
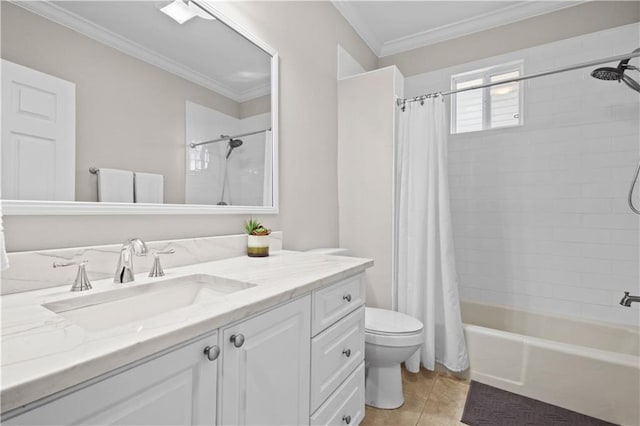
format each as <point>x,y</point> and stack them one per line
<point>177,388</point>
<point>38,135</point>
<point>265,378</point>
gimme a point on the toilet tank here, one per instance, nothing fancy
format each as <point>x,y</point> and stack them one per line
<point>330,250</point>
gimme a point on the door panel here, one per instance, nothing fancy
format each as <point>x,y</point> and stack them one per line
<point>38,135</point>
<point>266,379</point>
<point>177,388</point>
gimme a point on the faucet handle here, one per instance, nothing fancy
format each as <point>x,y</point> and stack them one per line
<point>81,282</point>
<point>156,269</point>
<point>168,251</point>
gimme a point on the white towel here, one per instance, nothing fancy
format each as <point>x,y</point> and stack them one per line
<point>149,188</point>
<point>115,186</point>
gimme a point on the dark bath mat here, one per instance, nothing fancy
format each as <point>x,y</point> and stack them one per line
<point>489,406</point>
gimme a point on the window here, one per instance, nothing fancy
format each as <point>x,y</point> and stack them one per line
<point>489,107</point>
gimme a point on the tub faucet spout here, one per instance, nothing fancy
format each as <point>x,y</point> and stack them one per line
<point>628,300</point>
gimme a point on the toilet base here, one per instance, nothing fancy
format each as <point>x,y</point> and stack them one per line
<point>383,387</point>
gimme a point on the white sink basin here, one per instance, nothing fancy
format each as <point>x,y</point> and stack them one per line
<point>113,308</point>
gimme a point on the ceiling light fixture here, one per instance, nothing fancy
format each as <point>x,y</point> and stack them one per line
<point>182,12</point>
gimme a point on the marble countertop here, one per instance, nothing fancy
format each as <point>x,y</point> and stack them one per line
<point>43,353</point>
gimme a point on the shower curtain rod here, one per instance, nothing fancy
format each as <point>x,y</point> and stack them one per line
<point>402,101</point>
<point>227,138</point>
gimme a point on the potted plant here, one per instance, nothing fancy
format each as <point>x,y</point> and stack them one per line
<point>258,238</point>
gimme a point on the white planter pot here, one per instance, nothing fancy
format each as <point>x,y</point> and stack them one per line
<point>258,245</point>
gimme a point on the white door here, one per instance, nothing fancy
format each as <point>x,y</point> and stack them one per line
<point>265,378</point>
<point>38,135</point>
<point>178,388</point>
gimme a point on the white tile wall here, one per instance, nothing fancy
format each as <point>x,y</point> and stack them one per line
<point>540,217</point>
<point>245,174</point>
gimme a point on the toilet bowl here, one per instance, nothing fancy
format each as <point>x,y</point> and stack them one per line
<point>390,338</point>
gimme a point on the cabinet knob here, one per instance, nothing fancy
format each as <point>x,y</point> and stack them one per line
<point>347,352</point>
<point>212,352</point>
<point>237,340</point>
<point>347,297</point>
<point>346,419</point>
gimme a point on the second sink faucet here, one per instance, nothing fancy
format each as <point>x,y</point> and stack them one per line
<point>124,271</point>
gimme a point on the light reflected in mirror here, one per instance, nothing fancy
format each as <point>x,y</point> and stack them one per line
<point>124,90</point>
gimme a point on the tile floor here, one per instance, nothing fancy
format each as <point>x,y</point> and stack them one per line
<point>430,398</point>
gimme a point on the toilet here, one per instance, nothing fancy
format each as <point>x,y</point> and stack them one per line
<point>390,339</point>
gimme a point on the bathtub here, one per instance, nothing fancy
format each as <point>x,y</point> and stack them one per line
<point>589,367</point>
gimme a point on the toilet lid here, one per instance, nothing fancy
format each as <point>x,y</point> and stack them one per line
<point>384,321</point>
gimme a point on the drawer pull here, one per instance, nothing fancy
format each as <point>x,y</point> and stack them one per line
<point>237,340</point>
<point>347,297</point>
<point>346,419</point>
<point>212,352</point>
<point>347,352</point>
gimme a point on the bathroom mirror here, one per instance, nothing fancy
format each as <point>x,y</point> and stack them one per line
<point>136,107</point>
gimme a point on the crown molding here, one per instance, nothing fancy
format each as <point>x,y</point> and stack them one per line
<point>255,92</point>
<point>359,25</point>
<point>102,35</point>
<point>503,16</point>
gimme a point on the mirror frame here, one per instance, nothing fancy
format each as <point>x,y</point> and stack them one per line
<point>51,208</point>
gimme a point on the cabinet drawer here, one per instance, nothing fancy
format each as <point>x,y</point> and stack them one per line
<point>345,405</point>
<point>334,302</point>
<point>334,355</point>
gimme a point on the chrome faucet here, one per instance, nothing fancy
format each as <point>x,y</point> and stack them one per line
<point>124,271</point>
<point>627,300</point>
<point>81,283</point>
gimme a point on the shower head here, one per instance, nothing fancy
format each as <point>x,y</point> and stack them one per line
<point>233,144</point>
<point>606,73</point>
<point>618,73</point>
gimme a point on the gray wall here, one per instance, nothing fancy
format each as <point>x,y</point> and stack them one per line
<point>366,181</point>
<point>574,21</point>
<point>255,106</point>
<point>306,35</point>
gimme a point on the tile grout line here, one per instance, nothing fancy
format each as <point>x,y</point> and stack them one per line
<point>427,397</point>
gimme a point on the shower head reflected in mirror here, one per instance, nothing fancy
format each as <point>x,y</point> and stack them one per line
<point>233,144</point>
<point>618,73</point>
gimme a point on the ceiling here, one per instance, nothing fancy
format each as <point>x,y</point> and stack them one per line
<point>390,27</point>
<point>206,52</point>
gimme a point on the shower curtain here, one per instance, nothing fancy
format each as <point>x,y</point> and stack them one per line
<point>426,275</point>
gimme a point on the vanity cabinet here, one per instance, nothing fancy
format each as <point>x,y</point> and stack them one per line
<point>265,368</point>
<point>177,387</point>
<point>301,362</point>
<point>337,353</point>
